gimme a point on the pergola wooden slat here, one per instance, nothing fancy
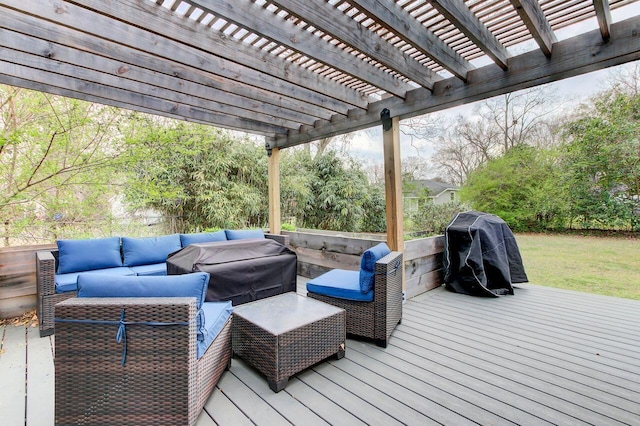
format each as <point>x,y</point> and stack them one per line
<point>297,71</point>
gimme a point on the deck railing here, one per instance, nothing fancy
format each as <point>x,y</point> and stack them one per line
<point>318,253</point>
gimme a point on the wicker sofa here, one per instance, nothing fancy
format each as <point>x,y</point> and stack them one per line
<point>136,256</point>
<point>372,296</point>
<point>163,369</point>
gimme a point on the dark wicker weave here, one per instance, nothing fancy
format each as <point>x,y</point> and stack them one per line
<point>46,264</point>
<point>46,290</point>
<point>282,335</point>
<point>161,382</point>
<point>377,319</point>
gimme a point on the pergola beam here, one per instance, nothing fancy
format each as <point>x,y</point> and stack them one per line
<point>180,40</point>
<point>349,31</point>
<point>603,14</point>
<point>574,56</point>
<point>531,14</point>
<point>459,14</point>
<point>86,90</point>
<point>184,79</point>
<point>47,55</point>
<point>394,18</point>
<point>282,31</point>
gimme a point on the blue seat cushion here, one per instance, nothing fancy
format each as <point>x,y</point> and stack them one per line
<point>244,234</point>
<point>85,255</point>
<point>202,237</point>
<point>156,269</point>
<point>340,284</point>
<point>368,266</point>
<point>146,251</point>
<point>215,316</point>
<point>69,282</point>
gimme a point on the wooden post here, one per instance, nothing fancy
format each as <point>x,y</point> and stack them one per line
<point>393,184</point>
<point>274,190</point>
<point>392,180</point>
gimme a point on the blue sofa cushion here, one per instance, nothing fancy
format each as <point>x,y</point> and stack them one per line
<point>146,251</point>
<point>155,269</point>
<point>215,316</point>
<point>202,237</point>
<point>341,284</point>
<point>85,255</point>
<point>69,282</point>
<point>244,234</point>
<point>188,285</point>
<point>368,266</point>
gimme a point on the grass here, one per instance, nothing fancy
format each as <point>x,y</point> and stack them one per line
<point>601,265</point>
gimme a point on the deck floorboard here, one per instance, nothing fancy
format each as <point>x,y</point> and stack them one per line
<point>542,356</point>
<point>13,362</point>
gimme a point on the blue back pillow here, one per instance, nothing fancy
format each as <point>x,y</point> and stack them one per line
<point>368,265</point>
<point>147,251</point>
<point>244,234</point>
<point>202,237</point>
<point>188,285</point>
<point>87,255</point>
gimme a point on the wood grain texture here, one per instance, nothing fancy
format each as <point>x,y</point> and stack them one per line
<point>393,186</point>
<point>273,27</point>
<point>274,191</point>
<point>349,31</point>
<point>18,279</point>
<point>459,14</point>
<point>393,17</point>
<point>537,23</point>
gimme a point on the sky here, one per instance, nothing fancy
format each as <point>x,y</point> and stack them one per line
<point>367,144</point>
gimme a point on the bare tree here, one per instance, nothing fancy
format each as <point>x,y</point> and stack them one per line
<point>339,143</point>
<point>516,115</point>
<point>626,79</point>
<point>423,128</point>
<point>498,124</point>
<point>455,158</point>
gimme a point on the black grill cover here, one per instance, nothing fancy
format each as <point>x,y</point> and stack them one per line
<point>481,257</point>
<point>240,270</point>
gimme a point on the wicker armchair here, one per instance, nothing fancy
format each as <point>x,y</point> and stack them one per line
<point>376,319</point>
<point>157,380</point>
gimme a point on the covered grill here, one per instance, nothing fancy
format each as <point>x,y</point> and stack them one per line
<point>481,256</point>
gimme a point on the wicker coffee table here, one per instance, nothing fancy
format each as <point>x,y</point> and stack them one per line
<point>282,335</point>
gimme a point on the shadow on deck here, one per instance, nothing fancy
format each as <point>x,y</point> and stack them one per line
<point>543,356</point>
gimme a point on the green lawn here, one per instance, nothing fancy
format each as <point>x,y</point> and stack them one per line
<point>609,266</point>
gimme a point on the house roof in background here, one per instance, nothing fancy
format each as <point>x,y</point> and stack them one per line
<point>297,71</point>
<point>435,187</point>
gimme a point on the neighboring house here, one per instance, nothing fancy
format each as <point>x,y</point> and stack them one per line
<point>439,193</point>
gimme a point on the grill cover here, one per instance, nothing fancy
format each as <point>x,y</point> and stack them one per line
<point>240,270</point>
<point>481,256</point>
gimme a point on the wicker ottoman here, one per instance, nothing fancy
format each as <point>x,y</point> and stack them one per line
<point>282,335</point>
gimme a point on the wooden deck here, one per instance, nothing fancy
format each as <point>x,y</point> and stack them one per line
<point>543,356</point>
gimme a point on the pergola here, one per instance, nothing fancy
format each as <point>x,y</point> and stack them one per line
<point>298,71</point>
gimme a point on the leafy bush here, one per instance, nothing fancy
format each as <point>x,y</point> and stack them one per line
<point>432,219</point>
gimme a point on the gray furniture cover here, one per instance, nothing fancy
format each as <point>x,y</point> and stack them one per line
<point>481,256</point>
<point>240,270</point>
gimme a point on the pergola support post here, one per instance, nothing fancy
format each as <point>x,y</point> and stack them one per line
<point>274,189</point>
<point>392,180</point>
